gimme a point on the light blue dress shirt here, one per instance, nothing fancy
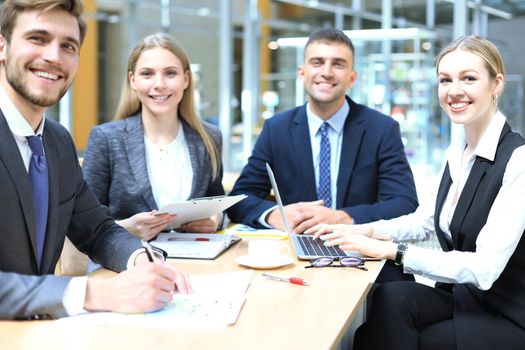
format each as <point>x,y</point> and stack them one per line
<point>335,136</point>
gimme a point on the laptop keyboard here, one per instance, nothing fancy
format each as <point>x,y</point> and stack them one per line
<point>315,247</point>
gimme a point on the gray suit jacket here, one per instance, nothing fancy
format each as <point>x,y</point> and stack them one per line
<point>115,166</point>
<point>25,289</point>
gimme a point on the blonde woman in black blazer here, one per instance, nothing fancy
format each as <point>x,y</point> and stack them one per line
<point>156,107</point>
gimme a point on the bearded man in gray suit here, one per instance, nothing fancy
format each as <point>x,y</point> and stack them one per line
<point>39,50</point>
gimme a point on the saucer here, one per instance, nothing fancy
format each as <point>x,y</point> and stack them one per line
<point>264,263</point>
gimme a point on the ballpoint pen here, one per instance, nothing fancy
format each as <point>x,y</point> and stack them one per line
<point>149,252</point>
<point>293,280</point>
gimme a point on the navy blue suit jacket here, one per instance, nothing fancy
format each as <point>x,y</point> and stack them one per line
<point>374,181</point>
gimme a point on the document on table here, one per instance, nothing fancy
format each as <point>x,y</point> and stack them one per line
<point>250,232</point>
<point>194,245</point>
<point>216,302</point>
<point>199,208</point>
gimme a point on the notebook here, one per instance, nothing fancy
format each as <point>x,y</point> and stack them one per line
<point>194,245</point>
<point>305,246</point>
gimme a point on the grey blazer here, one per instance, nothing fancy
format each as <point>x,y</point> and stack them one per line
<point>25,289</point>
<point>115,166</point>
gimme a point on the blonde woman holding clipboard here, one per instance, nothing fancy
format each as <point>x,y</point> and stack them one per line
<point>157,151</point>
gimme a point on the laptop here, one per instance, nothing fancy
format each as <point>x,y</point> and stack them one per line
<point>305,246</point>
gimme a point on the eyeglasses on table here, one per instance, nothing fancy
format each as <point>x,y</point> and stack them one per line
<point>345,261</point>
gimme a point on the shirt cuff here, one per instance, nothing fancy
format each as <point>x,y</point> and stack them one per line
<point>381,230</point>
<point>413,256</point>
<point>262,218</point>
<point>221,221</point>
<point>131,259</point>
<point>75,296</point>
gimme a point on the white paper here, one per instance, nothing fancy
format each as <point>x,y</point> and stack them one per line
<point>199,208</point>
<point>250,232</point>
<point>216,302</point>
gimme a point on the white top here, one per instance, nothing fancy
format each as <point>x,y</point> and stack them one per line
<point>169,170</point>
<point>496,241</point>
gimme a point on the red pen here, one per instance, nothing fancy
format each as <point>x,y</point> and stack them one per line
<point>293,280</point>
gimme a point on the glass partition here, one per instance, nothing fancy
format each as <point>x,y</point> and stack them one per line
<point>396,76</point>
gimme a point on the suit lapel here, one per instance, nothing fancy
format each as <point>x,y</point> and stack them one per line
<point>136,152</point>
<point>444,186</point>
<point>10,157</point>
<point>467,195</point>
<point>51,152</point>
<point>353,133</point>
<point>197,153</point>
<point>300,136</point>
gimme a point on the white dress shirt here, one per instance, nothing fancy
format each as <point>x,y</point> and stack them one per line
<point>335,136</point>
<point>496,241</point>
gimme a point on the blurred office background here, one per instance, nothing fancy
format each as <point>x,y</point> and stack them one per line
<point>245,53</point>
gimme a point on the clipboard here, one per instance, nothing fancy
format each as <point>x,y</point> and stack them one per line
<point>194,245</point>
<point>199,208</point>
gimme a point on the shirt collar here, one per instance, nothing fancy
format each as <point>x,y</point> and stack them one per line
<point>336,122</point>
<point>15,120</point>
<point>488,144</point>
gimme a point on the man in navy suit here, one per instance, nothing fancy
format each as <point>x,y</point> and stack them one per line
<point>370,178</point>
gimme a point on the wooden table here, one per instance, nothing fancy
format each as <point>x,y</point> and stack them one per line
<point>276,315</point>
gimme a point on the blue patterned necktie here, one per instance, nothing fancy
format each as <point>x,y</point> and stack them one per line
<point>324,190</point>
<point>39,182</point>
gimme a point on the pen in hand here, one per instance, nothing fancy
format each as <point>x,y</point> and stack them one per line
<point>149,252</point>
<point>293,280</point>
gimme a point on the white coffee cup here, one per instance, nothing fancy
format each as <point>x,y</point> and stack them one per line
<point>266,249</point>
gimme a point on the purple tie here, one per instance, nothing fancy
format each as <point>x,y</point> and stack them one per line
<point>40,185</point>
<point>324,191</point>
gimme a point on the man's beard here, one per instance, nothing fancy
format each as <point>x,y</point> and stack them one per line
<point>13,77</point>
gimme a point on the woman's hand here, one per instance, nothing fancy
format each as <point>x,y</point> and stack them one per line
<point>323,229</point>
<point>147,225</point>
<point>209,225</point>
<point>367,246</point>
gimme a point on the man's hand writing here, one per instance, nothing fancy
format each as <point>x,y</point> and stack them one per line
<point>146,287</point>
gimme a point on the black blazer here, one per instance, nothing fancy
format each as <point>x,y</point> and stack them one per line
<point>74,211</point>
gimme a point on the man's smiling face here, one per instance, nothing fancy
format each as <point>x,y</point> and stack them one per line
<point>40,61</point>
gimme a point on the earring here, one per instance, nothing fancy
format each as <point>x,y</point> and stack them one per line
<point>495,100</point>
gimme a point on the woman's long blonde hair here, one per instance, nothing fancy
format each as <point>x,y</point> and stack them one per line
<point>129,103</point>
